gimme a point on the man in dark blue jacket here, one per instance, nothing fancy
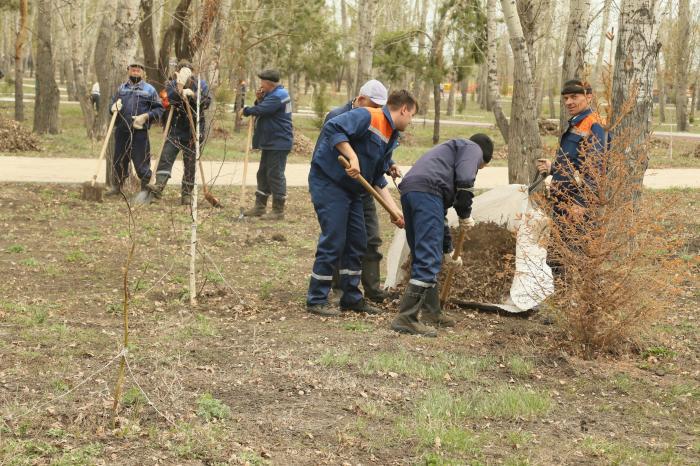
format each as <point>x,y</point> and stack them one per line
<point>180,137</point>
<point>274,136</point>
<point>138,105</point>
<point>372,94</point>
<point>366,137</point>
<point>442,178</point>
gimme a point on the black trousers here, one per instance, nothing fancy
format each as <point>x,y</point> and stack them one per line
<point>131,145</point>
<point>271,178</point>
<point>176,143</point>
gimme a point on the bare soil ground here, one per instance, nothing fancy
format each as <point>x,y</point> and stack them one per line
<point>247,377</point>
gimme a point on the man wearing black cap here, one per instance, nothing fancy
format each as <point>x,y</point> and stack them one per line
<point>274,136</point>
<point>138,105</point>
<point>585,136</point>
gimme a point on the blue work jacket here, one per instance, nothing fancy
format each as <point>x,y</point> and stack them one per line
<point>273,125</point>
<point>584,137</point>
<point>137,99</point>
<point>372,135</point>
<point>180,124</point>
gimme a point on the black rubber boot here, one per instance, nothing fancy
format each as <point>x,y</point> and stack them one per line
<point>157,188</point>
<point>432,312</point>
<point>259,208</point>
<point>407,320</point>
<point>370,281</point>
<point>277,212</point>
<point>361,306</point>
<point>325,310</point>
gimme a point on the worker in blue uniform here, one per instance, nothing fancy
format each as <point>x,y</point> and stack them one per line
<point>366,137</point>
<point>442,178</point>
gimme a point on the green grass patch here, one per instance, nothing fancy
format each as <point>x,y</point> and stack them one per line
<point>29,262</point>
<point>618,452</point>
<point>334,359</point>
<point>209,408</point>
<point>201,326</point>
<point>442,366</point>
<point>133,397</point>
<point>76,256</point>
<point>16,248</point>
<point>361,327</point>
<point>660,352</point>
<point>520,367</point>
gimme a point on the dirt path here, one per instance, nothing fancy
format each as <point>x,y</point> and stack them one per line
<point>64,170</point>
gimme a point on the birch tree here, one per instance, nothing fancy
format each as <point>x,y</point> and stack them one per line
<point>524,143</point>
<point>633,79</point>
<point>602,41</point>
<point>574,48</point>
<point>492,63</point>
<point>47,96</point>
<point>682,51</point>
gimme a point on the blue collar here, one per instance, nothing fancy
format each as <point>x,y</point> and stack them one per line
<point>387,114</point>
<point>576,119</point>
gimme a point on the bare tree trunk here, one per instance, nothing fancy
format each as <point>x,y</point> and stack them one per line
<point>450,111</point>
<point>419,71</point>
<point>574,48</point>
<point>73,25</point>
<point>694,100</point>
<point>524,144</point>
<point>682,66</point>
<point>662,90</point>
<point>22,32</point>
<point>601,45</point>
<point>47,95</point>
<point>635,66</point>
<point>365,41</point>
<point>491,58</point>
<point>347,71</point>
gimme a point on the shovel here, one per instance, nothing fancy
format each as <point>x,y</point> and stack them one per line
<point>394,215</point>
<point>207,195</point>
<point>91,190</point>
<point>539,178</point>
<point>445,292</point>
<point>146,197</point>
<point>249,142</point>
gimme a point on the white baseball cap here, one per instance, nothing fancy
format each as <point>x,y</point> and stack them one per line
<point>375,91</point>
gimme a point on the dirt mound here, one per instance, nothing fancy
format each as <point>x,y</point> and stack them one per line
<point>14,138</point>
<point>488,254</point>
<point>302,145</point>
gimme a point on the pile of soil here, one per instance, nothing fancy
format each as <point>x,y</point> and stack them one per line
<point>302,145</point>
<point>548,127</point>
<point>14,138</point>
<point>488,254</point>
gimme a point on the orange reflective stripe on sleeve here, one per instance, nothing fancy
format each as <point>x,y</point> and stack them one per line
<point>584,127</point>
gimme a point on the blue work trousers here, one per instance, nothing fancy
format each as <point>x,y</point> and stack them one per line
<point>131,145</point>
<point>342,242</point>
<point>425,230</point>
<point>271,178</point>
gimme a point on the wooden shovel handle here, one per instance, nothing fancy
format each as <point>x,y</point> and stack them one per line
<point>394,215</point>
<point>105,143</point>
<point>445,292</point>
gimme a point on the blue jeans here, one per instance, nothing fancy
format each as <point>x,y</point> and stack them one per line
<point>342,242</point>
<point>425,231</point>
<point>271,179</point>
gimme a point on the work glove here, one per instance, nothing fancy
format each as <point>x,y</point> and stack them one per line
<point>116,106</point>
<point>188,92</point>
<point>466,223</point>
<point>183,76</point>
<point>448,260</point>
<point>140,120</point>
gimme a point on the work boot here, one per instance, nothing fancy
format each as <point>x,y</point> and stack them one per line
<point>259,208</point>
<point>432,312</point>
<point>185,199</point>
<point>407,320</point>
<point>277,212</point>
<point>157,188</point>
<point>325,310</point>
<point>370,281</point>
<point>361,306</point>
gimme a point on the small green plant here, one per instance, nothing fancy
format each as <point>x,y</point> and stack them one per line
<point>60,386</point>
<point>133,397</point>
<point>214,277</point>
<point>333,359</point>
<point>209,408</point>
<point>266,290</point>
<point>357,327</point>
<point>660,352</point>
<point>56,432</point>
<point>76,256</point>
<point>30,262</point>
<point>16,248</point>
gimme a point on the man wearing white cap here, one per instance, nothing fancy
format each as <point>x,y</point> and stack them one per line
<point>372,94</point>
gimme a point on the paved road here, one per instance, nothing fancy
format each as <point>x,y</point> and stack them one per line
<point>64,170</point>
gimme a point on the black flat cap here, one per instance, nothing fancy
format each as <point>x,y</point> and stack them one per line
<point>270,75</point>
